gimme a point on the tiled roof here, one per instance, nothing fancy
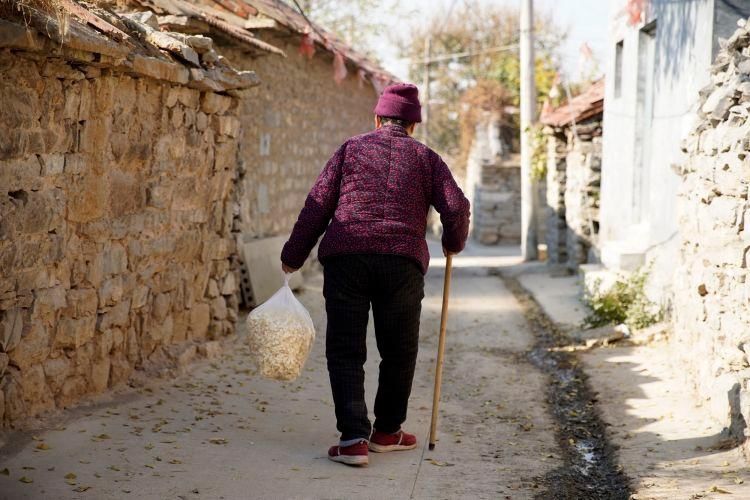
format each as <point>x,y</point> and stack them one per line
<point>132,43</point>
<point>582,107</point>
<point>292,19</point>
<point>238,17</point>
<point>197,12</point>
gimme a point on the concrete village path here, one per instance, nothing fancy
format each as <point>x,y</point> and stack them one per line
<point>221,433</point>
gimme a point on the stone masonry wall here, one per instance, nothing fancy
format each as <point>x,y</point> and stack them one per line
<point>557,252</point>
<point>582,188</point>
<point>291,125</point>
<point>493,185</point>
<point>712,289</point>
<point>116,203</point>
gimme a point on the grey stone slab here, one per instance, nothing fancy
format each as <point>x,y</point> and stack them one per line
<point>262,260</point>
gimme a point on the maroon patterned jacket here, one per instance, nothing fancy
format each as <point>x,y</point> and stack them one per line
<point>376,191</point>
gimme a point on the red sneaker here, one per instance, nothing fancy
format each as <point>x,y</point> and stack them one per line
<point>355,454</point>
<point>381,442</point>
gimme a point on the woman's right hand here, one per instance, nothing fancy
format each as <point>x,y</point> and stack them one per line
<point>287,269</point>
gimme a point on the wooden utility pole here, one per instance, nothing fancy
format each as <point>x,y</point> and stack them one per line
<point>426,91</point>
<point>528,116</point>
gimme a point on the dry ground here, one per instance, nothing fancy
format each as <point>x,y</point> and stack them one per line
<point>665,440</point>
<point>221,432</point>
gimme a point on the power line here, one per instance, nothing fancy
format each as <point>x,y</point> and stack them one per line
<point>309,23</point>
<point>447,16</point>
<point>465,54</point>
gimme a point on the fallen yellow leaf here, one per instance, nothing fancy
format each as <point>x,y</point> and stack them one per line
<point>716,489</point>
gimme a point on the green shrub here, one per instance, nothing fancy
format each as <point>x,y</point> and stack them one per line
<point>624,302</point>
<point>538,152</point>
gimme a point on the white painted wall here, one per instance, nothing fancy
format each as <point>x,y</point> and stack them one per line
<point>684,40</point>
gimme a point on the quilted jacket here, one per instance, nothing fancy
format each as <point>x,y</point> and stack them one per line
<point>373,196</point>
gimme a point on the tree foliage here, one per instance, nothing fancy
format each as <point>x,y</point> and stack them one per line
<point>481,29</point>
<point>357,22</point>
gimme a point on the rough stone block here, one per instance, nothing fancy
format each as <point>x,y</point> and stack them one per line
<point>56,370</point>
<point>73,333</point>
<point>212,103</point>
<point>33,348</point>
<point>210,350</point>
<point>110,291</point>
<point>88,195</point>
<point>15,407</point>
<point>724,210</point>
<point>117,316</point>
<point>200,317</point>
<point>160,309</point>
<point>100,374</point>
<point>36,394</point>
<point>218,308</point>
<point>718,103</point>
<point>115,259</point>
<point>52,164</point>
<point>120,369</point>
<point>81,302</point>
<point>161,69</point>
<point>226,125</point>
<point>229,286</point>
<point>11,327</point>
<point>71,391</point>
<point>213,288</point>
<point>33,212</point>
<point>47,302</point>
<point>180,326</point>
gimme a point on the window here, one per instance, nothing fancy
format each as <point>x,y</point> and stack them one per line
<point>618,69</point>
<point>644,112</point>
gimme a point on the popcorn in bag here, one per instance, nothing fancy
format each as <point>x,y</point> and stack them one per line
<point>280,335</point>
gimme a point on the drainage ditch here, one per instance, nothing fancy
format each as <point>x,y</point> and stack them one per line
<point>590,470</point>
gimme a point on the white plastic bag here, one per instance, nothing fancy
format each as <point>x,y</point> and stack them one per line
<point>280,335</point>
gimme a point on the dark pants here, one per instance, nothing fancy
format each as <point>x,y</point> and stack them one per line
<point>394,286</point>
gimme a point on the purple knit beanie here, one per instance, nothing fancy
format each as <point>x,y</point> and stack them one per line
<point>400,101</point>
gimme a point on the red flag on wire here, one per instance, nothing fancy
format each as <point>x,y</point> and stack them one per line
<point>339,68</point>
<point>635,10</point>
<point>586,51</point>
<point>307,46</point>
<point>380,83</point>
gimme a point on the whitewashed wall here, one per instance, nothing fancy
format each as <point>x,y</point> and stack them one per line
<point>683,49</point>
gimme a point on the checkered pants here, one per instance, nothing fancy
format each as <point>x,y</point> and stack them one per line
<point>394,285</point>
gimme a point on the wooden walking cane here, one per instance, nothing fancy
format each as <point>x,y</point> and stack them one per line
<point>441,349</point>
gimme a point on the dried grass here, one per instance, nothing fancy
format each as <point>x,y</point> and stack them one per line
<point>33,12</point>
<point>487,96</point>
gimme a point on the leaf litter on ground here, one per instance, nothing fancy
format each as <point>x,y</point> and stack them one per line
<point>439,463</point>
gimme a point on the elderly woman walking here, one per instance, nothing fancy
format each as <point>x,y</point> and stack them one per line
<point>372,200</point>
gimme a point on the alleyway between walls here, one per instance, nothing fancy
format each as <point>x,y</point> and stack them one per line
<point>220,432</point>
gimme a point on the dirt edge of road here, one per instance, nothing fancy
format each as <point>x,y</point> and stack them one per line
<point>591,468</point>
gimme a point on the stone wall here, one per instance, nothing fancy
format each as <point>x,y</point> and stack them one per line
<point>116,209</point>
<point>712,290</point>
<point>572,195</point>
<point>493,186</point>
<point>582,189</point>
<point>291,125</point>
<point>555,224</point>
